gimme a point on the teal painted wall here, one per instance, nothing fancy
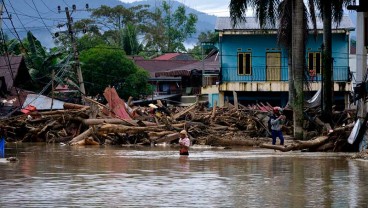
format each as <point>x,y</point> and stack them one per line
<point>260,44</point>
<point>212,98</point>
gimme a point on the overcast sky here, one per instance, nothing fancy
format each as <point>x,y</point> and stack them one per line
<point>212,7</point>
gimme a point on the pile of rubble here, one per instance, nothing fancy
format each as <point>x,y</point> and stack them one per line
<point>122,123</point>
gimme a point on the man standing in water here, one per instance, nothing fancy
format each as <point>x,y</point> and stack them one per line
<point>276,119</point>
<point>184,143</point>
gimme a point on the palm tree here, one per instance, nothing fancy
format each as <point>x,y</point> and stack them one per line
<point>298,64</point>
<point>330,10</point>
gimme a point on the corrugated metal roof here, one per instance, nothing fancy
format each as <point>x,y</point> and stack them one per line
<point>153,66</point>
<point>251,23</point>
<point>209,64</point>
<point>42,102</point>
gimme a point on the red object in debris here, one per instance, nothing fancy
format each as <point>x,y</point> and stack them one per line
<point>116,104</point>
<point>28,109</point>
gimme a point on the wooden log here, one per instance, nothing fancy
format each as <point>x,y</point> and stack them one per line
<point>90,141</point>
<point>184,111</point>
<point>113,128</point>
<point>47,126</point>
<point>342,129</point>
<point>168,138</point>
<point>86,141</point>
<point>159,134</point>
<point>219,128</point>
<point>130,101</point>
<point>214,110</point>
<point>235,100</point>
<point>74,106</point>
<point>325,147</point>
<point>82,136</point>
<point>106,120</point>
<point>298,145</point>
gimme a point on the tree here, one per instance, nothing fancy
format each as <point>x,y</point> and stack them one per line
<point>130,40</point>
<point>330,10</point>
<point>298,65</point>
<point>104,66</point>
<point>114,20</point>
<point>208,36</point>
<point>178,28</point>
<point>154,37</point>
<point>168,31</point>
<point>88,41</point>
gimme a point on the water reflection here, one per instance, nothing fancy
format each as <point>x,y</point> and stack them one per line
<point>64,176</point>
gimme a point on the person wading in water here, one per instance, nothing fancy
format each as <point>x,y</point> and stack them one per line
<point>184,143</point>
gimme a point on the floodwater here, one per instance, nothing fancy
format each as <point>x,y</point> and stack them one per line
<point>112,176</point>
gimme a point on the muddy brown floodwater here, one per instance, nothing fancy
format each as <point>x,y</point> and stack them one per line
<point>111,176</point>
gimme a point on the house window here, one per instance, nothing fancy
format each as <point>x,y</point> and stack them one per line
<point>314,63</point>
<point>244,64</point>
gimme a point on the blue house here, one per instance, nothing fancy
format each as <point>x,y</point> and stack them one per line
<point>256,67</point>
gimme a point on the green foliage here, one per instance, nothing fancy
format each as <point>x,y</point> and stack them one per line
<point>130,40</point>
<point>104,66</point>
<point>39,61</point>
<point>115,20</point>
<point>88,41</point>
<point>178,26</point>
<point>210,37</point>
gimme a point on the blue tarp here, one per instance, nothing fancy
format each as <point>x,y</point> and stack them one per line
<point>2,147</point>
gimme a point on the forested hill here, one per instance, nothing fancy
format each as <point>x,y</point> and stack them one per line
<point>42,16</point>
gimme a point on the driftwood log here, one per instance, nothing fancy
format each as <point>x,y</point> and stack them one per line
<point>298,145</point>
<point>82,136</point>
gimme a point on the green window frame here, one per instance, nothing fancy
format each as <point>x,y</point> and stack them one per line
<point>244,63</point>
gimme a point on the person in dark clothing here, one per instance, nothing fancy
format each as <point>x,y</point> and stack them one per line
<point>276,120</point>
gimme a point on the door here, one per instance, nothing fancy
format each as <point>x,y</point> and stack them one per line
<point>273,66</point>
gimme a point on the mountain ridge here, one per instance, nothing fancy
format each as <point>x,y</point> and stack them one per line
<point>41,17</point>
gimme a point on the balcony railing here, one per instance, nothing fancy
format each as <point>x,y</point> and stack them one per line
<point>263,74</point>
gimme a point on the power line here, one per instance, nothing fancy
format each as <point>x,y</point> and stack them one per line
<point>17,15</point>
<point>66,3</point>
<point>11,21</point>
<point>42,19</point>
<point>48,7</point>
<point>25,1</point>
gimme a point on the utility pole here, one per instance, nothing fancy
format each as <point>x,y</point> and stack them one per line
<point>75,49</point>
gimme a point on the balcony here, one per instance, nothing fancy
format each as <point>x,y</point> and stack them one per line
<point>264,74</point>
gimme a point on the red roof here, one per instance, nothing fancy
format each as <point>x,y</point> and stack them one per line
<point>175,56</point>
<point>167,56</point>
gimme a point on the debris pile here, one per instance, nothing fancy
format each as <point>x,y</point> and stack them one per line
<point>121,123</point>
